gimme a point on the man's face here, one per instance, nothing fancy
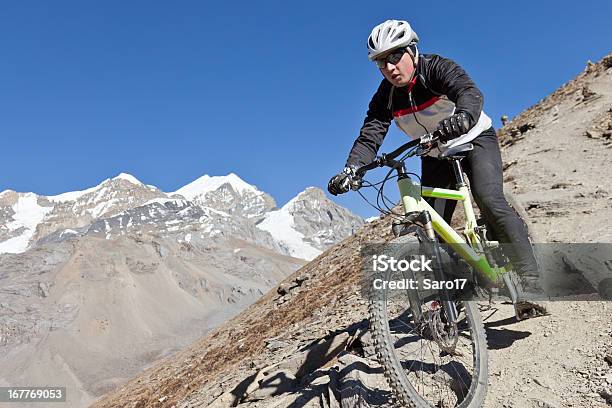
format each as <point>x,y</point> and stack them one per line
<point>401,73</point>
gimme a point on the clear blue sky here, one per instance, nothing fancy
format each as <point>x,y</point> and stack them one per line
<point>274,91</point>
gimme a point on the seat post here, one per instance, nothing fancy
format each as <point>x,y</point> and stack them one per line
<point>458,172</point>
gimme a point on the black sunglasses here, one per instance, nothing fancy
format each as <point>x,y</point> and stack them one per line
<point>392,58</point>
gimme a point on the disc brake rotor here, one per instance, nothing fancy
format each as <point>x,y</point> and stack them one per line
<point>444,334</point>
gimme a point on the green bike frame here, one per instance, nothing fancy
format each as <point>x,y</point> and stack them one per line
<point>469,247</point>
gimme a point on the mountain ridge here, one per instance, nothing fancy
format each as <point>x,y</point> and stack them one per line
<point>30,217</point>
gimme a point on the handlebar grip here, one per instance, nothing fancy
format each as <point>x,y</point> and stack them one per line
<point>360,172</point>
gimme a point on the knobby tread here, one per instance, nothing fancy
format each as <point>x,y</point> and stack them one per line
<point>383,347</point>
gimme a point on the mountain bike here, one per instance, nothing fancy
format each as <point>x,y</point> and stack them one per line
<point>432,344</point>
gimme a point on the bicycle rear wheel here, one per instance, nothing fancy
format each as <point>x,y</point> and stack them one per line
<point>421,370</point>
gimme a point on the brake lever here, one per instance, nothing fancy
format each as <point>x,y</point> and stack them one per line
<point>427,143</point>
<point>424,149</point>
<point>428,138</point>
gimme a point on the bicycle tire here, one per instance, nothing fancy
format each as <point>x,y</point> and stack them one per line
<point>404,391</point>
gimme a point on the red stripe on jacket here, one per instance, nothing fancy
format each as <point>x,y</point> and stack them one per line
<point>420,107</point>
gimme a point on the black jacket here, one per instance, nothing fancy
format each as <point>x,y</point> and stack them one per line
<point>439,89</point>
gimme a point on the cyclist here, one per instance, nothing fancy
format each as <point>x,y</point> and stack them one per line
<point>423,93</point>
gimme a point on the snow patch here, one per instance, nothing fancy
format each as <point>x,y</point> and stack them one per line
<point>73,195</point>
<point>68,232</point>
<point>281,226</point>
<point>28,214</point>
<point>130,178</point>
<point>101,208</point>
<point>207,183</point>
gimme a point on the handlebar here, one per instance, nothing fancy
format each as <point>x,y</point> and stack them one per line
<point>387,159</point>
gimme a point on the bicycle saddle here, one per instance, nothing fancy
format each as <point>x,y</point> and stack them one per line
<point>456,152</point>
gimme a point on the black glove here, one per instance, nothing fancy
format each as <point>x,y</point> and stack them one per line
<point>342,182</point>
<point>454,126</point>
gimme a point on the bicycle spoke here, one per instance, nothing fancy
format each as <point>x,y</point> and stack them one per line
<point>441,378</point>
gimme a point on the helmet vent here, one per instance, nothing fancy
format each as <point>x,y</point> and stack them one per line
<point>390,35</point>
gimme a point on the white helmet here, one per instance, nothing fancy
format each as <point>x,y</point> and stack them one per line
<point>390,35</point>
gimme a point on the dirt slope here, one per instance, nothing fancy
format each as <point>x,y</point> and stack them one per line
<point>560,169</point>
<point>306,344</point>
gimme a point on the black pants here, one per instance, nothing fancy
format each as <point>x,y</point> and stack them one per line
<point>483,166</point>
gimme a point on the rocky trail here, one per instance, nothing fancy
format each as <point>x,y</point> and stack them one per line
<point>306,344</point>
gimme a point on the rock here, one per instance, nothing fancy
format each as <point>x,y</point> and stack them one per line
<point>367,343</point>
<point>311,397</point>
<point>526,127</point>
<point>593,134</point>
<point>559,185</point>
<point>587,93</point>
<point>359,384</point>
<point>608,358</point>
<point>506,166</point>
<point>545,404</point>
<point>43,289</point>
<point>283,289</point>
<point>269,382</point>
<point>300,279</point>
<point>293,287</point>
<point>307,361</point>
<point>607,395</point>
<point>225,400</point>
<point>275,345</point>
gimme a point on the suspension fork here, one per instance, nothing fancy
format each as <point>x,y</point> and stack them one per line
<point>432,251</point>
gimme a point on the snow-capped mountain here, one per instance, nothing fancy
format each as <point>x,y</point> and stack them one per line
<point>229,194</point>
<point>310,223</point>
<point>27,217</point>
<point>205,208</point>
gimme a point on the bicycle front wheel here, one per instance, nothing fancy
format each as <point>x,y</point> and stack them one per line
<point>424,367</point>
